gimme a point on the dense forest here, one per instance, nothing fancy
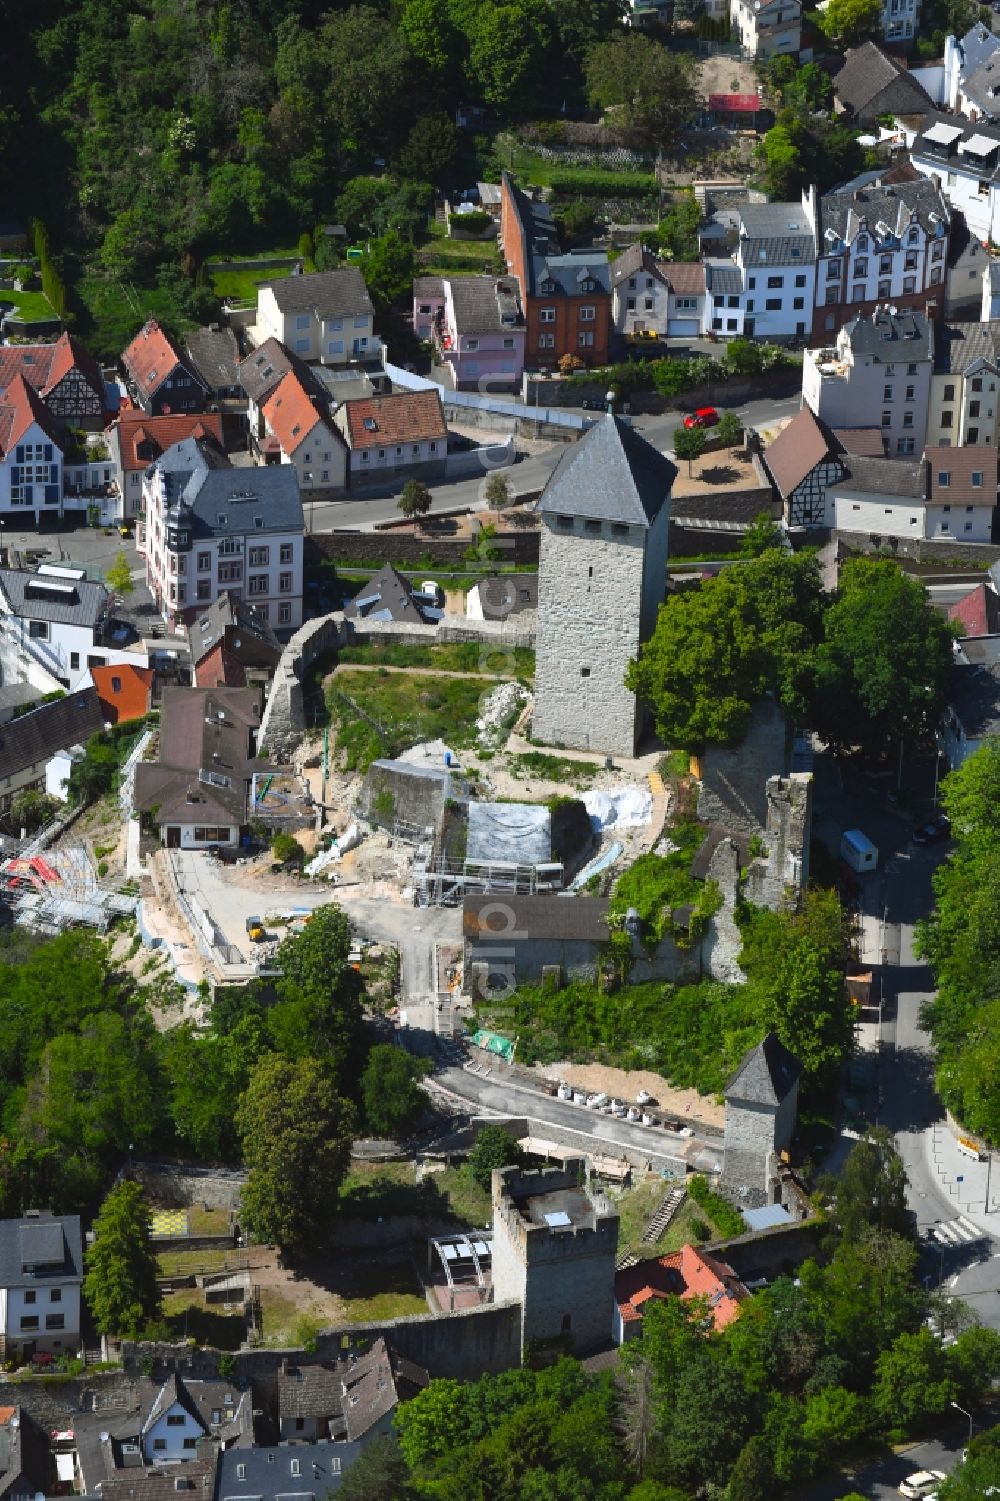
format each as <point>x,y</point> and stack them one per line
<point>157,131</point>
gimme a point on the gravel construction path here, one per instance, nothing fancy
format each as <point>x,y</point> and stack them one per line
<point>688,1104</point>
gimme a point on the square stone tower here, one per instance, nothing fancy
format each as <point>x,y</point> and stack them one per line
<point>761,1104</point>
<point>605,515</point>
<point>554,1248</point>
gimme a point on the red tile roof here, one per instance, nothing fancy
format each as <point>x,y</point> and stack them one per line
<point>20,406</point>
<point>125,692</point>
<point>289,413</point>
<point>685,277</point>
<point>969,475</point>
<point>404,417</point>
<point>45,365</point>
<point>687,1273</point>
<point>151,357</point>
<point>734,102</point>
<point>220,669</point>
<point>135,427</point>
<point>978,612</point>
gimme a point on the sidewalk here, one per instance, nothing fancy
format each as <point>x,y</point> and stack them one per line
<point>963,1179</point>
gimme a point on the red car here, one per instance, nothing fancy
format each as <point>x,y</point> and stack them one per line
<point>703,417</point>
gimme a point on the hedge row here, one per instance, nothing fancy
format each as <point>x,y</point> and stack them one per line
<point>52,283</point>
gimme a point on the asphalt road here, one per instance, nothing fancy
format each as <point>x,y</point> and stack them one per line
<point>879,1479</point>
<point>527,475</point>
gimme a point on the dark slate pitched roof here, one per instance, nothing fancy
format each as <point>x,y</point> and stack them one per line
<point>217,500</point>
<point>374,1384</point>
<point>633,259</point>
<point>959,346</point>
<point>214,354</point>
<point>880,476</point>
<point>61,600</point>
<point>723,278</point>
<point>36,736</point>
<point>311,1391</point>
<point>327,294</point>
<point>388,595</point>
<point>610,474</point>
<point>890,336</point>
<point>51,1244</point>
<point>230,612</point>
<point>867,72</point>
<point>485,304</point>
<point>896,204</point>
<point>265,1474</point>
<point>766,1074</point>
<point>975,699</point>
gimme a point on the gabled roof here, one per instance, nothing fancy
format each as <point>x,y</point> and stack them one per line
<point>191,1481</point>
<point>795,452</point>
<point>59,599</point>
<point>375,1384</point>
<point>152,356</point>
<point>309,1391</point>
<point>868,72</point>
<point>216,500</point>
<point>959,347</point>
<point>685,278</point>
<point>766,1075</point>
<point>234,620</point>
<point>775,234</point>
<point>45,365</point>
<point>485,304</point>
<point>978,612</point>
<point>20,406</point>
<point>388,595</point>
<point>266,367</point>
<point>205,757</point>
<point>862,442</point>
<point>125,692</point>
<point>610,474</point>
<point>403,417</point>
<point>633,259</point>
<point>35,737</point>
<point>289,413</point>
<point>962,476</point>
<point>687,1273</point>
<point>883,476</point>
<point>325,294</point>
<point>307,1472</point>
<point>215,355</point>
<point>568,274</point>
<point>135,430</point>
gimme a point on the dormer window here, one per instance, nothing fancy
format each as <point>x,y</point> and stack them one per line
<point>862,244</point>
<point>547,285</point>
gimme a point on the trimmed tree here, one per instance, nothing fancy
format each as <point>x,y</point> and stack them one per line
<point>120,1281</point>
<point>119,576</point>
<point>498,491</point>
<point>689,443</point>
<point>414,500</point>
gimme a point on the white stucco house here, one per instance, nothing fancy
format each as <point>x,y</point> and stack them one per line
<point>41,1273</point>
<point>325,317</point>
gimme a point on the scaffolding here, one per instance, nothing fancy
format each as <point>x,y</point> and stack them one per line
<point>61,891</point>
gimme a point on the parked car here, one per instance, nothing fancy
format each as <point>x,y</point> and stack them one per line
<point>921,1485</point>
<point>703,417</point>
<point>936,829</point>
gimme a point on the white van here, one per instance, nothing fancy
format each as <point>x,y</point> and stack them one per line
<point>857,851</point>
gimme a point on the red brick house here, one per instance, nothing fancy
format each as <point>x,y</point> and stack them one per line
<point>566,297</point>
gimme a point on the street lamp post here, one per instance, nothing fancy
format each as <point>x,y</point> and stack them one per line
<point>965,1415</point>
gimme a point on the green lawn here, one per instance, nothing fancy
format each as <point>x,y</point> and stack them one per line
<point>181,1263</point>
<point>189,1317</point>
<point>454,656</point>
<point>279,252</point>
<point>241,287</point>
<point>203,1221</point>
<point>375,1191</point>
<point>373,1291</point>
<point>635,1207</point>
<point>408,709</point>
<point>111,315</point>
<point>550,768</point>
<point>443,256</point>
<point>30,304</point>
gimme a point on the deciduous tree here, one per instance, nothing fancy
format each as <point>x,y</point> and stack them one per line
<point>296,1134</point>
<point>654,91</point>
<point>390,1089</point>
<point>414,499</point>
<point>493,1148</point>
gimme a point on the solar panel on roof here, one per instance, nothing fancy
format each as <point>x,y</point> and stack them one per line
<point>943,135</point>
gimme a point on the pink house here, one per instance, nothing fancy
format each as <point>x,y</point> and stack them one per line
<point>477,327</point>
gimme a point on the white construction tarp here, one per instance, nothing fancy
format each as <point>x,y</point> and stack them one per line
<point>619,807</point>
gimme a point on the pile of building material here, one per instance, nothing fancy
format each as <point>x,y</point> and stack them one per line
<point>629,807</point>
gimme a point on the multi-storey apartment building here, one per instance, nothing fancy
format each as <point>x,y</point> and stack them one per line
<point>882,243</point>
<point>963,158</point>
<point>876,375</point>
<point>208,528</point>
<point>776,256</point>
<point>326,317</point>
<point>963,398</point>
<point>768,28</point>
<point>566,299</point>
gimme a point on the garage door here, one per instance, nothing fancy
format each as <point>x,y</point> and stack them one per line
<point>679,328</point>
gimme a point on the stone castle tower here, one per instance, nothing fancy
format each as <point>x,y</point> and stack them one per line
<point>554,1248</point>
<point>761,1106</point>
<point>605,514</point>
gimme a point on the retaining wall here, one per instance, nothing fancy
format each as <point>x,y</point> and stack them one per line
<point>284,724</point>
<point>411,550</point>
<point>918,549</point>
<point>786,381</point>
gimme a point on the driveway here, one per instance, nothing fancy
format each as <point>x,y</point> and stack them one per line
<point>880,1478</point>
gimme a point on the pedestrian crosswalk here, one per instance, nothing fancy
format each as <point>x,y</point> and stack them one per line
<point>957,1232</point>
